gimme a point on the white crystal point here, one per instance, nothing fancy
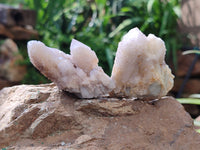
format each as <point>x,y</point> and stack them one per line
<point>77,73</point>
<point>46,59</point>
<point>83,56</point>
<point>139,69</point>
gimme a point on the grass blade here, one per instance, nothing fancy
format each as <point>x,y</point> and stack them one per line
<point>195,96</point>
<point>194,101</point>
<point>191,52</point>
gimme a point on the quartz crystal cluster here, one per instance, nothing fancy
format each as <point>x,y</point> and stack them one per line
<point>77,73</point>
<point>139,69</point>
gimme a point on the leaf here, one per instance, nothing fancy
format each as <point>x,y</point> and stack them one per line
<point>195,96</point>
<point>191,52</point>
<point>194,101</point>
<point>101,2</point>
<point>150,5</point>
<point>126,9</point>
<point>124,24</point>
<point>164,23</point>
<point>197,123</point>
<point>177,11</point>
<point>109,57</point>
<point>146,24</point>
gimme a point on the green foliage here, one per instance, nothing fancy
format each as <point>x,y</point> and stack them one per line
<point>87,21</point>
<point>100,24</point>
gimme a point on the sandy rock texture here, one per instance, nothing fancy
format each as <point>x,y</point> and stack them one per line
<point>42,117</point>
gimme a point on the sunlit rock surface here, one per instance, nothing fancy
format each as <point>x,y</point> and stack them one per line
<point>77,73</point>
<point>40,117</point>
<point>139,69</point>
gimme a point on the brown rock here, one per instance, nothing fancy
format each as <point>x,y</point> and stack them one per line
<point>5,32</point>
<point>184,62</point>
<point>42,117</point>
<point>11,16</point>
<point>10,69</point>
<point>191,87</point>
<point>18,32</point>
<point>5,83</point>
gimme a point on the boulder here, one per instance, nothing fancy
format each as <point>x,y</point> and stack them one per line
<point>43,117</point>
<point>10,67</point>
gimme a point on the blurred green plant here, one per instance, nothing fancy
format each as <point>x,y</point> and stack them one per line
<point>100,24</point>
<point>87,21</point>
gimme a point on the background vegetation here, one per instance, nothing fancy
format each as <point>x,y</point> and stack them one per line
<point>100,24</point>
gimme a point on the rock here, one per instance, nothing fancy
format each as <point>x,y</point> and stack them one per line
<point>193,110</point>
<point>42,117</point>
<point>5,32</point>
<point>10,69</point>
<point>184,62</point>
<point>191,87</point>
<point>5,83</point>
<point>18,32</point>
<point>139,69</point>
<point>11,16</point>
<point>77,73</point>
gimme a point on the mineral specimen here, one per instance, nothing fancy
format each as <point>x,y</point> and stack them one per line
<point>77,73</point>
<point>139,69</point>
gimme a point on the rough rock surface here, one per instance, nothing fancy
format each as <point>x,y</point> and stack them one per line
<point>139,69</point>
<point>42,117</point>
